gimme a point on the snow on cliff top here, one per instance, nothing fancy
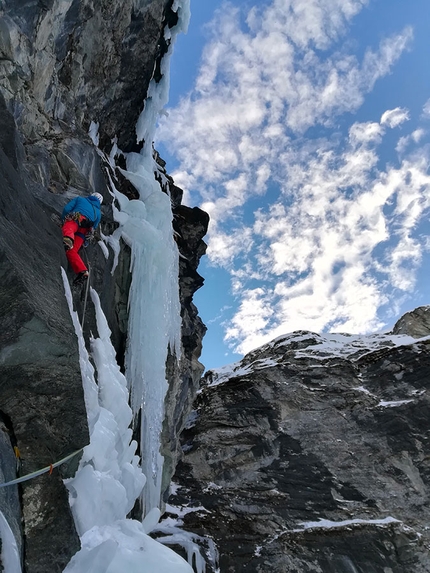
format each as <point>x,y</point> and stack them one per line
<point>308,345</point>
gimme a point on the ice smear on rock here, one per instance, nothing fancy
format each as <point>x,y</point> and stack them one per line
<point>109,478</point>
<point>154,308</point>
<point>171,527</point>
<point>10,558</point>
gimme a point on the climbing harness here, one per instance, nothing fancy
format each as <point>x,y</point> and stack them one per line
<point>42,471</point>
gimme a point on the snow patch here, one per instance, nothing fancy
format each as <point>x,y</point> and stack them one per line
<point>364,390</point>
<point>327,524</point>
<point>225,373</point>
<point>394,404</point>
<point>93,132</point>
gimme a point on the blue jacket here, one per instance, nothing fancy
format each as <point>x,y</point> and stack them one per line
<point>89,207</point>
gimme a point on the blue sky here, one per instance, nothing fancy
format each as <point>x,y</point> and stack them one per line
<point>302,127</point>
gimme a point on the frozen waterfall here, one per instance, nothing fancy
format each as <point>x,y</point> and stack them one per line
<point>112,474</point>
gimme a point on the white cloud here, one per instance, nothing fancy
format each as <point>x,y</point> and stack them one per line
<point>426,109</point>
<point>418,134</point>
<point>394,117</point>
<point>320,252</point>
<point>365,132</point>
<point>252,318</point>
<point>405,141</point>
<point>223,247</point>
<point>256,88</point>
<point>339,233</point>
<point>184,181</point>
<point>308,22</point>
<point>217,318</point>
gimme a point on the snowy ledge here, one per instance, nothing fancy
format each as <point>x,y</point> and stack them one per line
<point>326,524</point>
<point>350,524</point>
<point>225,373</point>
<point>321,348</point>
<point>394,403</point>
<point>347,523</point>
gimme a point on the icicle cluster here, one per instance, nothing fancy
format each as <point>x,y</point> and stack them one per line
<point>154,308</point>
<point>109,478</point>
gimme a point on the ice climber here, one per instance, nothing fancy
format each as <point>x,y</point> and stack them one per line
<point>80,216</point>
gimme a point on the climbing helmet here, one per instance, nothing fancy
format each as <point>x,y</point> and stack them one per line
<point>98,196</point>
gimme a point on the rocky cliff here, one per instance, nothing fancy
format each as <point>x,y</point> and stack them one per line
<point>312,455</point>
<point>63,65</point>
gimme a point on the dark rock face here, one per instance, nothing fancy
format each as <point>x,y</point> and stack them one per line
<point>184,378</point>
<point>415,323</point>
<point>40,382</point>
<point>64,64</point>
<point>68,63</point>
<point>312,456</point>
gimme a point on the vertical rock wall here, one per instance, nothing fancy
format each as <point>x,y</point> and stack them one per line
<point>9,498</point>
<point>40,383</point>
<point>190,226</point>
<point>64,64</point>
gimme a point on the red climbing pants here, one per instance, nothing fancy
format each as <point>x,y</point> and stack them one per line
<point>77,234</point>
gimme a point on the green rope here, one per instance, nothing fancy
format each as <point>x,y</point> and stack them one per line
<point>42,471</point>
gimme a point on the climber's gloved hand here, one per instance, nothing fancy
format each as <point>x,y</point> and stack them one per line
<point>89,238</point>
<point>92,236</point>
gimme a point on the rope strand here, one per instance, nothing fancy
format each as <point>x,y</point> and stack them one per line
<point>42,471</point>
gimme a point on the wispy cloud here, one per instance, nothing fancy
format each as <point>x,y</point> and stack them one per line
<point>338,234</point>
<point>426,109</point>
<point>394,117</point>
<point>415,137</point>
<point>260,86</point>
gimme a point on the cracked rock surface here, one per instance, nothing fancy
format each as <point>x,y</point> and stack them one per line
<point>63,65</point>
<point>312,455</point>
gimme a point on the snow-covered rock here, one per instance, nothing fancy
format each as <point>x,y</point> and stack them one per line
<point>415,323</point>
<point>311,455</point>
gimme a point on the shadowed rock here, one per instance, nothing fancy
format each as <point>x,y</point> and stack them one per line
<point>311,455</point>
<point>415,323</point>
<point>64,64</point>
<point>40,381</point>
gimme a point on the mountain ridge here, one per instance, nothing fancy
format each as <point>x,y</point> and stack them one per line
<point>309,455</point>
